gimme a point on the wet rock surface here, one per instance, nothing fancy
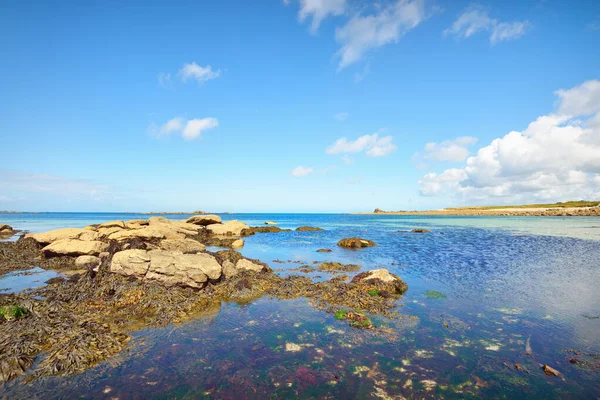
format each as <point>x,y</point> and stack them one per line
<point>356,243</point>
<point>6,231</point>
<point>308,229</point>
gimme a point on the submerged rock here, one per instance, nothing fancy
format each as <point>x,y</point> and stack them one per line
<point>337,267</point>
<point>204,220</point>
<point>420,230</point>
<point>308,229</point>
<point>324,251</point>
<point>355,243</point>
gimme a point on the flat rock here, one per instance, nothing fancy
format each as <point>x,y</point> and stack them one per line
<point>87,262</point>
<point>204,219</point>
<point>112,224</point>
<point>146,233</point>
<point>54,235</point>
<point>308,229</point>
<point>248,265</point>
<point>187,246</point>
<point>229,228</point>
<point>355,243</point>
<point>136,223</point>
<point>131,263</point>
<point>75,247</point>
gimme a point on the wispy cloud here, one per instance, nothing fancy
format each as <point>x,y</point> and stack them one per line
<point>475,18</point>
<point>363,33</point>
<point>449,150</point>
<point>341,116</point>
<point>164,80</point>
<point>189,130</point>
<point>319,10</point>
<point>198,73</point>
<point>300,171</point>
<point>372,145</point>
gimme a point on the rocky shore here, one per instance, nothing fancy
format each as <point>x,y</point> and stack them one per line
<point>124,276</point>
<point>503,212</point>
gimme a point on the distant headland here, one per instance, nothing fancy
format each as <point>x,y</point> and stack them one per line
<point>561,209</point>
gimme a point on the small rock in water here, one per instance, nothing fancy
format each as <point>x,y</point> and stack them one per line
<point>548,370</point>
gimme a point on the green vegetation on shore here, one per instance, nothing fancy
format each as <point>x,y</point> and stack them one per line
<point>566,204</point>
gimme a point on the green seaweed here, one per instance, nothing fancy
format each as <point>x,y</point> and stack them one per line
<point>8,313</point>
<point>373,292</point>
<point>341,314</point>
<point>432,294</point>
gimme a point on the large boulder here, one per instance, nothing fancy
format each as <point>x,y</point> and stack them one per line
<point>355,243</point>
<point>204,219</point>
<point>74,247</point>
<point>229,228</point>
<point>187,246</point>
<point>57,234</point>
<point>381,280</point>
<point>168,268</point>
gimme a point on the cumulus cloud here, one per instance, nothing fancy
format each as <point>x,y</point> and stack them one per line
<point>341,116</point>
<point>372,145</point>
<point>319,10</point>
<point>190,129</point>
<point>557,157</point>
<point>363,33</point>
<point>450,150</point>
<point>301,171</point>
<point>198,73</point>
<point>476,19</point>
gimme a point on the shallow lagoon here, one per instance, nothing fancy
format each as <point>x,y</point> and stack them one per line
<point>505,280</point>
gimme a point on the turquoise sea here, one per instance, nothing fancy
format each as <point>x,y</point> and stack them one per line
<point>499,283</point>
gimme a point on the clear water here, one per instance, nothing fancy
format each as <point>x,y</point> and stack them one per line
<point>506,280</point>
<point>17,281</point>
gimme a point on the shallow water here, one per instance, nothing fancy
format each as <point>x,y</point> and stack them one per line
<point>17,281</point>
<point>504,281</point>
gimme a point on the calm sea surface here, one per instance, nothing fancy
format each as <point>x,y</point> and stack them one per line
<point>503,281</point>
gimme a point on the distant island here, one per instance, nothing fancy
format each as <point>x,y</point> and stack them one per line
<point>564,209</point>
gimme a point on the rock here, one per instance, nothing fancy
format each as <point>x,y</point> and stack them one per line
<point>74,247</point>
<point>420,230</point>
<point>229,228</point>
<point>136,223</point>
<point>166,267</point>
<point>87,262</point>
<point>307,228</point>
<point>89,236</point>
<point>249,265</point>
<point>106,232</point>
<point>548,370</point>
<point>237,244</point>
<point>382,280</point>
<point>146,233</point>
<point>355,243</point>
<point>57,234</point>
<point>186,246</point>
<point>270,223</point>
<point>204,219</point>
<point>262,229</point>
<point>6,231</point>
<point>229,269</point>
<point>112,224</point>
<point>131,263</point>
<point>324,251</point>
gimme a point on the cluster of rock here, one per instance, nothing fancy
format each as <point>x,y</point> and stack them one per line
<point>6,231</point>
<point>157,249</point>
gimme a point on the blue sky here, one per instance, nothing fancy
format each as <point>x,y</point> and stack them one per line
<point>244,106</point>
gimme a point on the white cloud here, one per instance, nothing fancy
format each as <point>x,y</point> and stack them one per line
<point>347,159</point>
<point>190,129</point>
<point>372,145</point>
<point>301,171</point>
<point>319,10</point>
<point>476,19</point>
<point>555,158</point>
<point>198,73</point>
<point>341,116</point>
<point>363,33</point>
<point>194,127</point>
<point>450,150</point>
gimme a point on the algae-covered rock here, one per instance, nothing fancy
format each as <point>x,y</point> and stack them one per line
<point>356,243</point>
<point>420,230</point>
<point>262,229</point>
<point>337,267</point>
<point>308,229</point>
<point>204,220</point>
<point>324,251</point>
<point>74,247</point>
<point>382,280</point>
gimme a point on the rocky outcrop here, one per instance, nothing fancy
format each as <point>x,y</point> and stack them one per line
<point>186,246</point>
<point>87,262</point>
<point>113,224</point>
<point>229,228</point>
<point>204,220</point>
<point>381,280</point>
<point>6,231</point>
<point>178,269</point>
<point>307,229</point>
<point>355,243</point>
<point>57,234</point>
<point>74,247</point>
